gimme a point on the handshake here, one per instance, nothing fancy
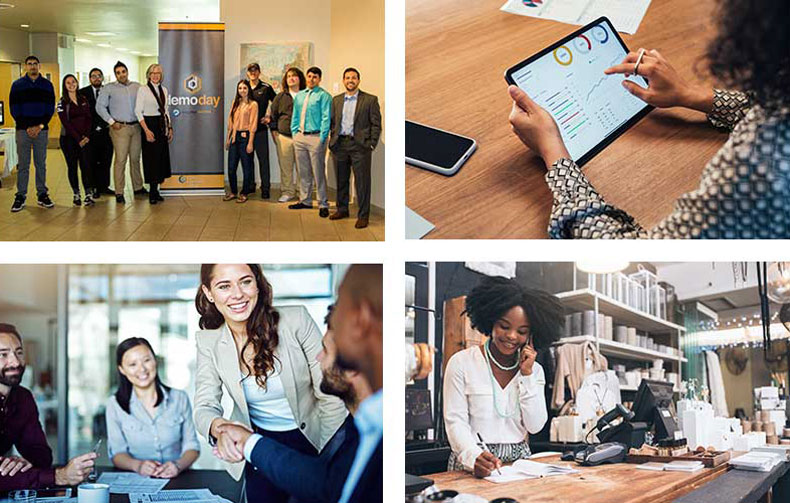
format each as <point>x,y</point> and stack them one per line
<point>231,438</point>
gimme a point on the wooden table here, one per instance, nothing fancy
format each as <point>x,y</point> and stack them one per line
<point>622,483</point>
<point>456,55</point>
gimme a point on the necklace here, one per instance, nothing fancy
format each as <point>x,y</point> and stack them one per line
<point>491,357</point>
<point>494,386</point>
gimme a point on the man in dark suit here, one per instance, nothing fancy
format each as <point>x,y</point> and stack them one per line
<point>100,142</point>
<point>357,324</point>
<point>287,468</point>
<point>354,134</point>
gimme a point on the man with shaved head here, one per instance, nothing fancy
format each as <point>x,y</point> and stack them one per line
<point>357,322</point>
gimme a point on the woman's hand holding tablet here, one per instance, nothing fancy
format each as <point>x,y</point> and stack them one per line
<point>536,128</point>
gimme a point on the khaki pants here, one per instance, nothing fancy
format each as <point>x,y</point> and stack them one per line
<point>311,160</point>
<point>127,143</point>
<point>287,159</point>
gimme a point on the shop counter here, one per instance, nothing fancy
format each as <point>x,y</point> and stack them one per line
<point>622,483</point>
<point>739,486</point>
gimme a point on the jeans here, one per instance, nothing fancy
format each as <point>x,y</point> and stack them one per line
<point>74,155</point>
<point>24,144</point>
<point>238,151</point>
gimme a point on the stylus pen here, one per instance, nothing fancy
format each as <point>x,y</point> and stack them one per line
<point>482,442</point>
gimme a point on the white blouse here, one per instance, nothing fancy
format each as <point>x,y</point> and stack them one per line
<point>147,104</point>
<point>469,407</point>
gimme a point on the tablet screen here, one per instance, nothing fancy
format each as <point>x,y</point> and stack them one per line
<point>568,81</point>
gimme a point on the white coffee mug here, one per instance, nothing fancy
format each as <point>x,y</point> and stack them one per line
<point>93,493</point>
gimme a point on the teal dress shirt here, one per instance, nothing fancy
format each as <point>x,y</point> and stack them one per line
<point>319,108</point>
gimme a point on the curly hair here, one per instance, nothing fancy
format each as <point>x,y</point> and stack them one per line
<point>750,51</point>
<point>495,296</point>
<point>261,325</point>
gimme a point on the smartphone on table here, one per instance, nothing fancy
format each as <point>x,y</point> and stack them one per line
<point>435,149</point>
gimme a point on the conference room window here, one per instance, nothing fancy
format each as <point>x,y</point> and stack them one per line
<point>110,303</point>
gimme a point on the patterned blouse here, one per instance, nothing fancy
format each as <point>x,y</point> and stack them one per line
<point>744,192</point>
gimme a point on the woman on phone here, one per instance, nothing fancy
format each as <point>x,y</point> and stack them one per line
<point>76,117</point>
<point>149,425</point>
<point>151,111</point>
<point>242,124</point>
<point>494,391</point>
<point>266,359</point>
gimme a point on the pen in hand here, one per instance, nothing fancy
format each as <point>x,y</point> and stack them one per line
<point>483,444</point>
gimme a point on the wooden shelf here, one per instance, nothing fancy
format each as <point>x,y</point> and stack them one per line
<point>621,350</point>
<point>584,300</point>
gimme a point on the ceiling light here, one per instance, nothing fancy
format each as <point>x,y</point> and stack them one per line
<point>104,45</point>
<point>601,266</point>
<point>24,26</point>
<point>123,49</point>
<point>4,5</point>
<point>134,52</point>
<point>148,55</point>
<point>83,40</point>
<point>100,33</point>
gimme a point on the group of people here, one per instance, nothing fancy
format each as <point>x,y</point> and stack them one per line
<point>304,406</point>
<point>122,119</point>
<point>304,119</point>
<point>127,119</point>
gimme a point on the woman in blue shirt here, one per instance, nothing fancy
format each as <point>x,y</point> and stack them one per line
<point>149,425</point>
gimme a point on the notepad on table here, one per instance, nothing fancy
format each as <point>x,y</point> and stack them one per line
<point>524,469</point>
<point>674,466</point>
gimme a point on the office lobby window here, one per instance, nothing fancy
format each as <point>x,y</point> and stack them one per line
<point>110,303</point>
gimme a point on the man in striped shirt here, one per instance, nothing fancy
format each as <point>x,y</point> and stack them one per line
<point>32,103</point>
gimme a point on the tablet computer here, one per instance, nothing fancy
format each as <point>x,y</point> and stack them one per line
<point>591,109</point>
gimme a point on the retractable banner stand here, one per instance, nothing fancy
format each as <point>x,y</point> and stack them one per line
<point>192,56</point>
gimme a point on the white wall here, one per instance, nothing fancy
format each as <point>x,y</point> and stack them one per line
<point>358,41</point>
<point>14,45</point>
<point>249,22</point>
<point>87,56</point>
<point>338,41</point>
<point>698,279</point>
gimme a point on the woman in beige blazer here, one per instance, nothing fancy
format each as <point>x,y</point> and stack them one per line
<point>265,359</point>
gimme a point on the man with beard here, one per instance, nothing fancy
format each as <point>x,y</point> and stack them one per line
<point>101,144</point>
<point>354,134</point>
<point>287,468</point>
<point>19,427</point>
<point>358,325</point>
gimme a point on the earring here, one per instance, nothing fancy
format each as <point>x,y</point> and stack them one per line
<point>210,299</point>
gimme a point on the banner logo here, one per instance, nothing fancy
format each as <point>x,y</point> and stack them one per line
<point>193,84</point>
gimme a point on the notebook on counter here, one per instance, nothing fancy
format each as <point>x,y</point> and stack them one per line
<point>524,469</point>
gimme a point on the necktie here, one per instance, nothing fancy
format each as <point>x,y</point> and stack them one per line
<point>304,111</point>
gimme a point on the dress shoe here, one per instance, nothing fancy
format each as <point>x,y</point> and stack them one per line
<point>96,194</point>
<point>338,215</point>
<point>120,199</point>
<point>140,192</point>
<point>362,222</point>
<point>265,194</point>
<point>299,206</point>
<point>323,212</point>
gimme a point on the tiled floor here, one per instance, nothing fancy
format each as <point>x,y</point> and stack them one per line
<point>179,218</point>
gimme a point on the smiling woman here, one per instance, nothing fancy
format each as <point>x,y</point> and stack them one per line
<point>266,359</point>
<point>149,425</point>
<point>496,390</point>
